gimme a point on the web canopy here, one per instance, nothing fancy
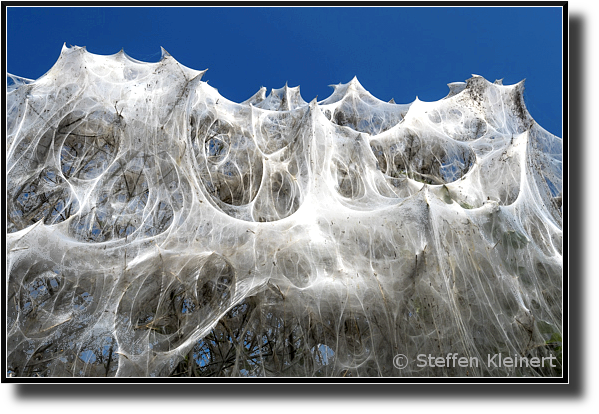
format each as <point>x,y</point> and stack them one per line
<point>156,228</point>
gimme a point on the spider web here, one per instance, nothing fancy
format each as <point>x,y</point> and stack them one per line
<point>156,228</point>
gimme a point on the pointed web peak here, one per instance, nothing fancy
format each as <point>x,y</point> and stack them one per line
<point>199,75</point>
<point>355,83</point>
<point>165,54</point>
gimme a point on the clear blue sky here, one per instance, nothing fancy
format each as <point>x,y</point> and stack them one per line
<point>396,53</point>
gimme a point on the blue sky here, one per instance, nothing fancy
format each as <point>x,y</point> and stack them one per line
<point>395,52</point>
